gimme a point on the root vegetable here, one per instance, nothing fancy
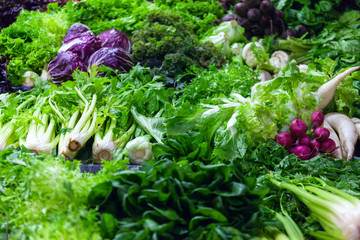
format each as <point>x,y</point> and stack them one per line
<point>326,91</point>
<point>284,139</point>
<point>338,153</point>
<point>240,9</point>
<point>279,59</point>
<point>305,140</point>
<point>298,128</point>
<point>317,119</point>
<point>228,17</point>
<point>346,130</point>
<point>249,56</point>
<point>322,133</point>
<point>264,21</point>
<point>245,23</point>
<point>303,152</point>
<point>252,3</point>
<point>300,30</point>
<point>328,146</point>
<point>265,76</point>
<point>314,153</point>
<point>254,14</point>
<point>289,33</point>
<point>356,121</point>
<point>267,7</point>
<point>315,144</point>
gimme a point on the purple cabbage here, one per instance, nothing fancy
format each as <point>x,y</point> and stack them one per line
<point>115,58</point>
<point>63,65</point>
<point>116,39</point>
<point>76,30</point>
<point>83,45</point>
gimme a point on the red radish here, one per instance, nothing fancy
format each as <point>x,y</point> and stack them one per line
<point>291,150</point>
<point>317,119</point>
<point>298,128</point>
<point>303,152</point>
<point>284,139</point>
<point>328,146</point>
<point>315,153</point>
<point>305,140</point>
<point>322,133</point>
<point>315,144</point>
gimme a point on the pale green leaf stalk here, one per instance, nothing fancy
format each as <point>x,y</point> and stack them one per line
<point>292,230</point>
<point>139,150</point>
<point>337,212</point>
<point>41,135</point>
<point>273,233</point>
<point>72,141</point>
<point>6,135</point>
<point>105,142</point>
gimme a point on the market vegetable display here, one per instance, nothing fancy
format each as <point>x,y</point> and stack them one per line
<point>195,119</point>
<point>259,18</point>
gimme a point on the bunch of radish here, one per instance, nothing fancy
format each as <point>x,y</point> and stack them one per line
<point>307,145</point>
<point>335,133</point>
<point>259,18</point>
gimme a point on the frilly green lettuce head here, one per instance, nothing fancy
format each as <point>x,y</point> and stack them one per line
<point>232,29</point>
<point>288,95</point>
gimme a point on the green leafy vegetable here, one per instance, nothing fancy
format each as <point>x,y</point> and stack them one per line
<point>32,41</point>
<point>174,201</point>
<point>201,15</point>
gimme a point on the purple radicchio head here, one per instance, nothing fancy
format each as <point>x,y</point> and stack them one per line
<point>77,29</point>
<point>63,65</point>
<point>115,58</point>
<point>115,38</point>
<point>82,45</point>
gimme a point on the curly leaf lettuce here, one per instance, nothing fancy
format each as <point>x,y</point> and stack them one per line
<point>288,95</point>
<point>32,41</point>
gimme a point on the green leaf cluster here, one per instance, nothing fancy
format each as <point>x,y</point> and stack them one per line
<point>270,159</point>
<point>32,41</point>
<point>200,13</point>
<point>339,40</point>
<point>43,197</point>
<point>167,43</point>
<point>311,13</point>
<point>232,78</point>
<point>172,201</point>
<point>99,16</point>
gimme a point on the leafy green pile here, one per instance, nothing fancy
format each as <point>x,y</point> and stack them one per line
<point>66,117</point>
<point>99,16</point>
<point>338,40</point>
<point>201,14</point>
<point>270,159</point>
<point>32,41</point>
<point>44,197</point>
<point>314,14</point>
<point>234,77</point>
<point>235,124</point>
<point>167,43</point>
<point>174,201</point>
